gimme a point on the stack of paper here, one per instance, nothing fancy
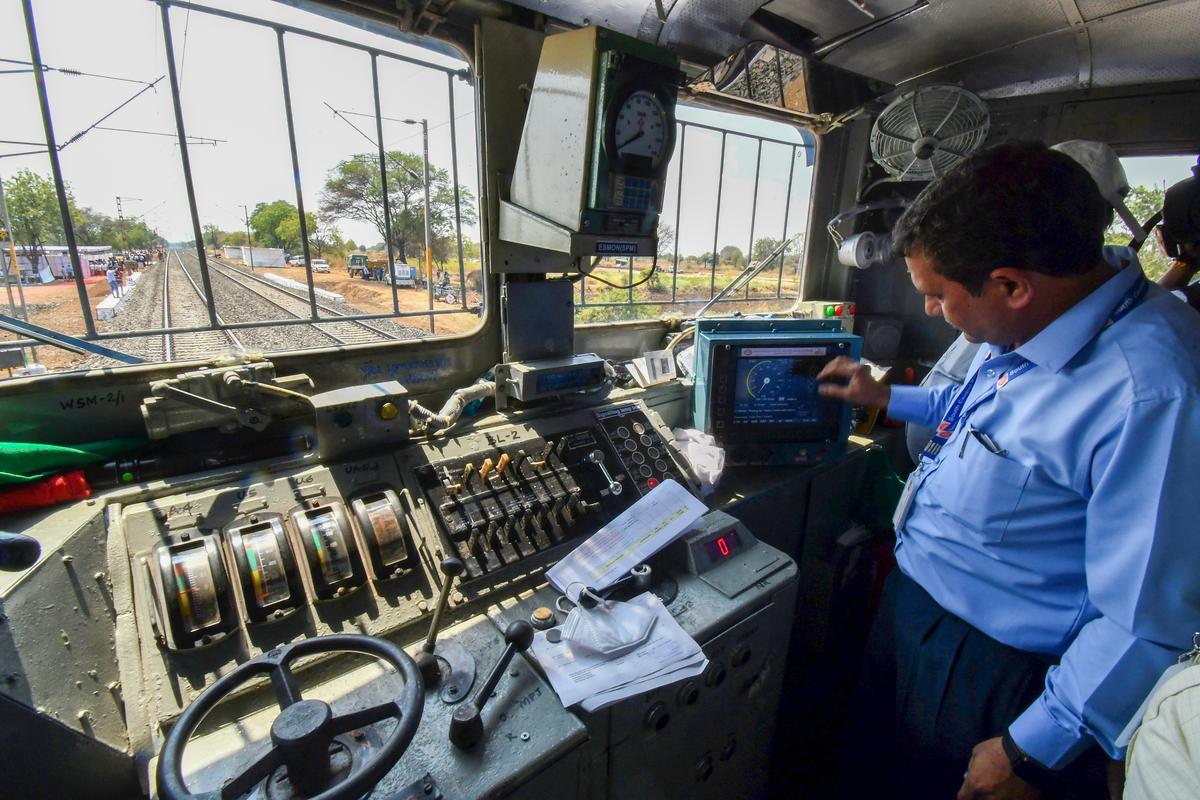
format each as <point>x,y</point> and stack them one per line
<point>662,516</point>
<point>584,678</point>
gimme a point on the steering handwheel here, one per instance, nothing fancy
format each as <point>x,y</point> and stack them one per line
<point>302,733</point>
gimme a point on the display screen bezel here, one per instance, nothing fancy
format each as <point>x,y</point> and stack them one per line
<point>722,396</point>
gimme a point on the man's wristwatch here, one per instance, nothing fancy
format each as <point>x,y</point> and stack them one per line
<point>1024,766</point>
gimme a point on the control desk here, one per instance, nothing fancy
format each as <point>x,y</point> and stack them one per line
<point>227,577</point>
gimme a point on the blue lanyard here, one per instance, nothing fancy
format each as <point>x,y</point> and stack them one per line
<point>954,414</point>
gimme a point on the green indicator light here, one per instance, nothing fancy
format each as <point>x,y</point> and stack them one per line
<point>126,477</point>
<point>829,311</point>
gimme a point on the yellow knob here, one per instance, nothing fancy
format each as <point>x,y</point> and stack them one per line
<point>486,469</point>
<point>502,464</point>
<point>388,411</point>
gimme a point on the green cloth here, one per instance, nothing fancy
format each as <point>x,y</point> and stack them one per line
<point>22,462</point>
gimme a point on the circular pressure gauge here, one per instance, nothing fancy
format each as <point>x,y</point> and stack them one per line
<point>329,547</point>
<point>266,568</point>
<point>193,592</point>
<point>385,532</point>
<point>640,131</point>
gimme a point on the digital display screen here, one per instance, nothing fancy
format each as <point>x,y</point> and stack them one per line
<point>777,385</point>
<point>555,381</point>
<point>723,546</point>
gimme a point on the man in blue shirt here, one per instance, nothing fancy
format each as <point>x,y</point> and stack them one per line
<point>1048,563</point>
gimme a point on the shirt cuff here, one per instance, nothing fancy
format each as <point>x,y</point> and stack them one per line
<point>1044,739</point>
<point>909,404</point>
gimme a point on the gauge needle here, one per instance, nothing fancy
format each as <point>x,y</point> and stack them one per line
<point>630,140</point>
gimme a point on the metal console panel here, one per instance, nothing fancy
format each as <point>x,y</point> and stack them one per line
<point>532,747</point>
<point>708,737</point>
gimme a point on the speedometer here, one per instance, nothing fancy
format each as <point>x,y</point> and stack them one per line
<point>640,127</point>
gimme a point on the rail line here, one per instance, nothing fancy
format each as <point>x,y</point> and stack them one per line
<point>296,306</point>
<point>187,312</point>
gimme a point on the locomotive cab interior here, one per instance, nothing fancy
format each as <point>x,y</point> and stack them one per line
<point>326,570</point>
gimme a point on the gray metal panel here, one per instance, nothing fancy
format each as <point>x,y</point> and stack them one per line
<point>1091,9</point>
<point>945,33</point>
<point>540,319</point>
<point>1157,43</point>
<point>57,634</point>
<point>550,174</point>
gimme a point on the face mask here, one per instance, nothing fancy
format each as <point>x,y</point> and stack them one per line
<point>609,629</point>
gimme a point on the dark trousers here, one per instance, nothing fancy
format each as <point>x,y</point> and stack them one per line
<point>932,687</point>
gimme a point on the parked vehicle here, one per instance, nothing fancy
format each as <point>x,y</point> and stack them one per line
<point>320,265</point>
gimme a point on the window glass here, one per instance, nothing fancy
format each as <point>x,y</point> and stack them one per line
<point>114,120</point>
<point>743,192</point>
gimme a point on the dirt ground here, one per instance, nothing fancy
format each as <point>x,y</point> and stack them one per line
<point>56,306</point>
<point>376,297</point>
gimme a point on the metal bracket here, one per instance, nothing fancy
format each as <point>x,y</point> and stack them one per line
<point>62,340</point>
<point>458,671</point>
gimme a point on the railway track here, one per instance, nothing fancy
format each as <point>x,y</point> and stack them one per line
<point>233,287</point>
<point>183,306</point>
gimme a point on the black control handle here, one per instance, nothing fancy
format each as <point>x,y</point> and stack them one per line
<point>426,660</point>
<point>466,725</point>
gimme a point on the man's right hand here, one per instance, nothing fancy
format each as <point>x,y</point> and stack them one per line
<point>859,387</point>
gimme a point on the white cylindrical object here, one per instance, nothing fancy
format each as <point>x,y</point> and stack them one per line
<point>860,250</point>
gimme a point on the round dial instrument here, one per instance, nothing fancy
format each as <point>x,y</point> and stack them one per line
<point>195,589</point>
<point>640,127</point>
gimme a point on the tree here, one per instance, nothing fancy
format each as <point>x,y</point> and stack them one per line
<point>33,208</point>
<point>287,232</point>
<point>233,238</point>
<point>353,190</point>
<point>763,248</point>
<point>666,238</point>
<point>213,236</point>
<point>731,254</point>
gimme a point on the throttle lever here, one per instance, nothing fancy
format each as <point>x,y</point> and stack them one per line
<point>426,660</point>
<point>597,458</point>
<point>466,724</point>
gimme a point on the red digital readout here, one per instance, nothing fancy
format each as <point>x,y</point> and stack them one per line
<point>723,546</point>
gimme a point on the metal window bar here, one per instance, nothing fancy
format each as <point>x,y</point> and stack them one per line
<point>387,206</point>
<point>746,297</point>
<point>678,208</point>
<point>787,210</point>
<point>753,205</point>
<point>462,273</point>
<point>38,69</point>
<point>291,129</point>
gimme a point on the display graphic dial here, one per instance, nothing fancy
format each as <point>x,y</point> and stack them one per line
<point>329,544</point>
<point>640,127</point>
<point>268,574</point>
<point>195,589</point>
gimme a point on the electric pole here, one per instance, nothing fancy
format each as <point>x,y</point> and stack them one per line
<point>249,241</point>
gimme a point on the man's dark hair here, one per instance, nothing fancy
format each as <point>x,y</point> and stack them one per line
<point>1018,204</point>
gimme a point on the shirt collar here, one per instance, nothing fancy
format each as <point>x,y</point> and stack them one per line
<point>1056,344</point>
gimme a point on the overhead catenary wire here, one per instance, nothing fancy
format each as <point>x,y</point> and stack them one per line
<point>98,122</point>
<point>67,71</point>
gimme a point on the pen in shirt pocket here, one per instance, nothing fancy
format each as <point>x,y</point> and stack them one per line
<point>988,443</point>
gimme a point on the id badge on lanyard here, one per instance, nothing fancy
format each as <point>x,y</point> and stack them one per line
<point>954,414</point>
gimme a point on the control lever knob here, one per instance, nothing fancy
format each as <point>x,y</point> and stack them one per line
<point>426,660</point>
<point>466,724</point>
<point>597,458</point>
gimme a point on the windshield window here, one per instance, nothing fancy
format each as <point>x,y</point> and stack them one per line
<point>376,276</point>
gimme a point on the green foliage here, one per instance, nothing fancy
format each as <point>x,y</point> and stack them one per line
<point>1144,202</point>
<point>277,224</point>
<point>353,190</point>
<point>233,238</point>
<point>731,254</point>
<point>33,210</point>
<point>613,313</point>
<point>36,221</point>
<point>763,247</point>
